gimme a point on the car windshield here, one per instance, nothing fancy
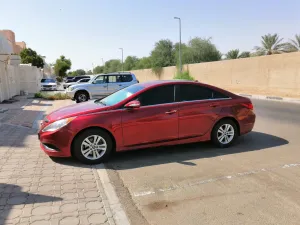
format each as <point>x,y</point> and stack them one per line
<point>120,95</point>
<point>47,81</point>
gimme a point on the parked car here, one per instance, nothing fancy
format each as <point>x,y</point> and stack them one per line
<point>84,80</point>
<point>48,84</point>
<point>74,80</point>
<point>144,115</point>
<point>101,86</point>
<point>68,78</point>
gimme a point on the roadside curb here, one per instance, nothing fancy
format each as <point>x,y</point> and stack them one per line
<point>271,98</point>
<point>118,212</point>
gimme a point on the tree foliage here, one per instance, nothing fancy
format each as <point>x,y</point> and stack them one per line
<point>61,66</point>
<point>294,44</point>
<point>98,70</point>
<point>130,63</point>
<point>235,54</point>
<point>78,72</point>
<point>112,65</point>
<point>162,55</point>
<point>271,44</point>
<point>30,56</point>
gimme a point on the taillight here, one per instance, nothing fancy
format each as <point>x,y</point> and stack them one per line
<point>248,105</point>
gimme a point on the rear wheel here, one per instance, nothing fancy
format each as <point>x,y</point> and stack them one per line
<point>81,96</point>
<point>92,146</point>
<point>224,133</point>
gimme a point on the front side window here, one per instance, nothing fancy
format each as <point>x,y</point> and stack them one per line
<point>158,95</point>
<point>100,80</point>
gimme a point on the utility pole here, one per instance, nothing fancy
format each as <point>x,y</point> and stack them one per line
<point>122,59</point>
<point>180,64</point>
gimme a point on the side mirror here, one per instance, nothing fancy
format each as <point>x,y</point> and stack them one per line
<point>133,105</point>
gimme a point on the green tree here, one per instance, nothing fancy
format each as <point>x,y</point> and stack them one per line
<point>61,66</point>
<point>144,63</point>
<point>112,65</point>
<point>30,56</point>
<point>162,55</point>
<point>80,72</point>
<point>130,63</point>
<point>89,72</point>
<point>271,44</point>
<point>235,54</point>
<point>202,50</point>
<point>294,45</point>
<point>98,70</point>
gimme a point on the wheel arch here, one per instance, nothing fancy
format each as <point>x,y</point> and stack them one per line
<point>93,127</point>
<point>82,90</point>
<point>227,118</point>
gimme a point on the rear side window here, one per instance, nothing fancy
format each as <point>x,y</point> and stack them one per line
<point>126,78</point>
<point>112,79</point>
<point>187,92</point>
<point>157,95</point>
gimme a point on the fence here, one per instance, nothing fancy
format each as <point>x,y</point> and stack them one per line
<point>277,75</point>
<point>14,78</point>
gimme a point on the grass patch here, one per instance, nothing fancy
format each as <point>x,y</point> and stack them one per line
<point>184,76</point>
<point>56,96</point>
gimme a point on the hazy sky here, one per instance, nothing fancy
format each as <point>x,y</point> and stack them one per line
<point>87,30</point>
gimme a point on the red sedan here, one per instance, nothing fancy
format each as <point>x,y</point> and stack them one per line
<point>146,115</point>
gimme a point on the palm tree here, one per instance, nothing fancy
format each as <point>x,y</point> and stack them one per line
<point>235,54</point>
<point>294,45</point>
<point>271,44</point>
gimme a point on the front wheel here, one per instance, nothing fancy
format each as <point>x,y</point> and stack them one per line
<point>81,97</point>
<point>93,146</point>
<point>224,133</point>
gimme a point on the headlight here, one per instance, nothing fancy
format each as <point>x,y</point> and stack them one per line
<point>58,124</point>
<point>71,88</point>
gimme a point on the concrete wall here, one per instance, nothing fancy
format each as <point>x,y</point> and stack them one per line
<point>14,78</point>
<point>277,75</point>
<point>16,47</point>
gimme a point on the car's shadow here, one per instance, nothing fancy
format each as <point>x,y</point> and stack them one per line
<point>183,154</point>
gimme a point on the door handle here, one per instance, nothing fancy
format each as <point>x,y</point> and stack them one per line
<point>120,85</point>
<point>171,112</point>
<point>105,86</point>
<point>214,105</point>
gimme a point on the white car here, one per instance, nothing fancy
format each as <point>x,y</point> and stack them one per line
<point>100,86</point>
<point>84,80</point>
<point>74,80</point>
<point>48,84</point>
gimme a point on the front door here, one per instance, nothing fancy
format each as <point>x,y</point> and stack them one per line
<point>99,87</point>
<point>155,121</point>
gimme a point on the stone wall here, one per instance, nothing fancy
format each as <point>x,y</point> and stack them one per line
<point>277,75</point>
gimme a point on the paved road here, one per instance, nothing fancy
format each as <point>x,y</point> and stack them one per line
<point>256,181</point>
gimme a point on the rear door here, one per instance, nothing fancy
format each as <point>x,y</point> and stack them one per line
<point>114,83</point>
<point>198,108</point>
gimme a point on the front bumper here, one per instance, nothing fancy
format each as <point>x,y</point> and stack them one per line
<point>70,94</point>
<point>56,144</point>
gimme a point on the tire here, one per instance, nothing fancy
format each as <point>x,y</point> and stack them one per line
<point>227,139</point>
<point>88,155</point>
<point>81,96</point>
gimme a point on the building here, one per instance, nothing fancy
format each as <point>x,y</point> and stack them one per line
<point>10,46</point>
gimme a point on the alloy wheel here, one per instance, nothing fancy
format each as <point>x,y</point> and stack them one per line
<point>225,133</point>
<point>93,147</point>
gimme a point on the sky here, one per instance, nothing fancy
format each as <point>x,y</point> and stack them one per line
<point>86,31</point>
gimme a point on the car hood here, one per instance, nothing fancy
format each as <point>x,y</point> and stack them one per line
<point>48,83</point>
<point>76,110</point>
<point>79,85</point>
